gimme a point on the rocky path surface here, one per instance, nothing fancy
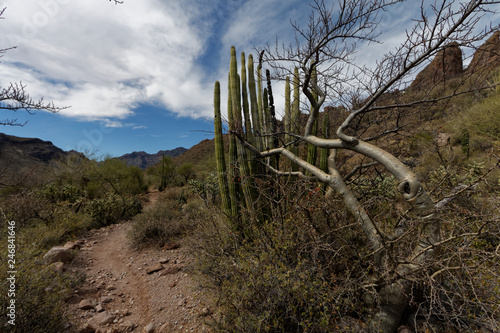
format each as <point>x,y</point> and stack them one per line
<point>134,291</point>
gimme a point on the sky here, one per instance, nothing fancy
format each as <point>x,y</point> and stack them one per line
<point>139,76</point>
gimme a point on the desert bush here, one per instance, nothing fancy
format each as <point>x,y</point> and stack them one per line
<point>66,192</point>
<point>207,187</point>
<point>112,209</point>
<point>120,178</point>
<point>40,291</point>
<point>307,267</point>
<point>287,273</point>
<point>65,225</point>
<point>481,119</point>
<point>157,225</point>
<point>175,194</point>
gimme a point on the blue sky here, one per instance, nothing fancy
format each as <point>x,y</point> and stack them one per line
<point>140,76</point>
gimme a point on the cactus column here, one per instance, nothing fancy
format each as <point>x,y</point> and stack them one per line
<point>219,153</point>
<point>234,80</point>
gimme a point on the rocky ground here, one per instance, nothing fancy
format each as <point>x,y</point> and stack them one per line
<point>134,291</point>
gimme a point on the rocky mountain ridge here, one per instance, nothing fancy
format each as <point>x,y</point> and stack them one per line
<point>448,63</point>
<point>144,160</point>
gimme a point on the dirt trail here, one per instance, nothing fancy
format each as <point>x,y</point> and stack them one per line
<point>132,291</point>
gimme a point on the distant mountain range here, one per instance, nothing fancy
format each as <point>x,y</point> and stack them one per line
<point>144,160</point>
<point>23,154</point>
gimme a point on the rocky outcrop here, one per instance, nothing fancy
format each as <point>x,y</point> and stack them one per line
<point>446,65</point>
<point>487,55</point>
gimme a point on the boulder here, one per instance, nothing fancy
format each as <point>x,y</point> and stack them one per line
<point>172,269</point>
<point>85,304</point>
<point>88,328</point>
<point>58,253</point>
<point>103,318</point>
<point>153,269</point>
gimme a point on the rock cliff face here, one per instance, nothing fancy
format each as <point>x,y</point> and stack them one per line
<point>446,65</point>
<point>487,55</point>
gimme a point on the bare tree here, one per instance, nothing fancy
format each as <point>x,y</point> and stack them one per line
<point>374,108</point>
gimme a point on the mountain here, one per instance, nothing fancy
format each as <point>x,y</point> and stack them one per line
<point>20,157</point>
<point>144,160</point>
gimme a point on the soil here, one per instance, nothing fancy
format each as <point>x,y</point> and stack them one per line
<point>120,293</point>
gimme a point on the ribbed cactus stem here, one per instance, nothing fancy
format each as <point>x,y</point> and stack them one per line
<point>246,113</point>
<point>271,116</point>
<point>254,106</point>
<point>244,99</point>
<point>242,156</point>
<point>219,152</point>
<point>233,159</point>
<point>260,103</point>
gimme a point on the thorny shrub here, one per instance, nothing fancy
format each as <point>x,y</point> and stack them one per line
<point>306,265</point>
<point>166,220</point>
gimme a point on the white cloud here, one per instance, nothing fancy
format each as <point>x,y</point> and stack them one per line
<point>104,60</point>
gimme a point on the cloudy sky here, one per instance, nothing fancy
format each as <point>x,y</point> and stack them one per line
<point>138,76</point>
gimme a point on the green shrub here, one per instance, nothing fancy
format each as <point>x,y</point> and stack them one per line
<point>40,291</point>
<point>287,273</point>
<point>482,118</point>
<point>65,225</point>
<point>112,209</point>
<point>67,192</point>
<point>157,225</point>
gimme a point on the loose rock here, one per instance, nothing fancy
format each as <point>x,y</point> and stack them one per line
<point>104,318</point>
<point>171,246</point>
<point>173,269</point>
<point>153,269</point>
<point>58,266</point>
<point>85,304</point>
<point>150,328</point>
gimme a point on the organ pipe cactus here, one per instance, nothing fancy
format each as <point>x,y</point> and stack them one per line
<point>233,158</point>
<point>219,152</point>
<point>234,80</point>
<point>254,105</point>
